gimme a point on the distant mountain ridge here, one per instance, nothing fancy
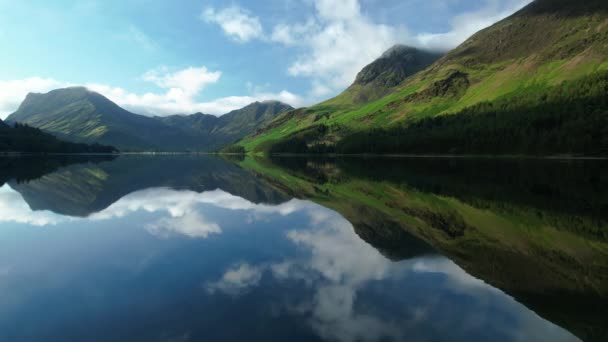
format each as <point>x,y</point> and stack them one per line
<point>80,115</point>
<point>219,131</point>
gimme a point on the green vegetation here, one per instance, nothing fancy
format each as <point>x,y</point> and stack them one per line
<point>387,72</point>
<point>233,149</point>
<point>79,115</point>
<point>25,139</point>
<point>571,118</point>
<point>507,80</point>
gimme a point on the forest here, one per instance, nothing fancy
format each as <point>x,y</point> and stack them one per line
<point>25,139</point>
<point>567,119</point>
<point>571,118</point>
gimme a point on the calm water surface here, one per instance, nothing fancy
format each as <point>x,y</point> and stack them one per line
<point>205,249</point>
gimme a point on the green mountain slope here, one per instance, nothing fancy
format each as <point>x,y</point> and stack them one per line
<point>381,76</point>
<point>215,132</point>
<point>526,57</point>
<point>81,115</point>
<point>25,139</point>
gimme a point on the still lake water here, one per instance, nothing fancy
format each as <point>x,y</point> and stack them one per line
<point>190,248</point>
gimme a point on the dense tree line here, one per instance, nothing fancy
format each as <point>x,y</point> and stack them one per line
<point>26,139</point>
<point>571,118</point>
<point>233,149</point>
<point>299,142</point>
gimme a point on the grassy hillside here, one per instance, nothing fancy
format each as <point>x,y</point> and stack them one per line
<point>80,115</point>
<point>214,132</point>
<point>531,52</point>
<point>380,77</point>
<point>84,116</point>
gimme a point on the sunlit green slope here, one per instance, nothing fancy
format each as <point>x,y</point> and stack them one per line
<point>526,55</point>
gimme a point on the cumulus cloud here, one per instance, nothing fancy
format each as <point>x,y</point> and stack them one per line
<point>188,81</point>
<point>236,23</point>
<point>191,224</point>
<point>179,101</point>
<point>14,209</point>
<point>237,280</point>
<point>12,92</point>
<point>465,25</point>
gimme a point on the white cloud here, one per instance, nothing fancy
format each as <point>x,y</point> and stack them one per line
<point>191,224</point>
<point>180,95</point>
<point>237,280</point>
<point>14,209</point>
<point>236,22</point>
<point>12,92</point>
<point>189,81</point>
<point>179,101</point>
<point>465,25</point>
<point>180,203</point>
<point>181,209</point>
<point>291,34</point>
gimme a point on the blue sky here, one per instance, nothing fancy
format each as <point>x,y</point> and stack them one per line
<point>160,57</point>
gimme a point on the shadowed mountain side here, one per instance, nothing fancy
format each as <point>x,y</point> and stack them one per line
<point>81,190</point>
<point>555,262</point>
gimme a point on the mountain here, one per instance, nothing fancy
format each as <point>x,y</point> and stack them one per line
<point>25,139</point>
<point>533,83</point>
<point>81,115</point>
<point>393,67</point>
<point>216,132</point>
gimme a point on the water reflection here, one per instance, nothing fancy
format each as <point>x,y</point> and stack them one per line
<point>188,248</point>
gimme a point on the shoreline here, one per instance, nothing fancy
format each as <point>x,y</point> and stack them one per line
<point>329,155</point>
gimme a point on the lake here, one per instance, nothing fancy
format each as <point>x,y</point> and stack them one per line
<point>201,248</point>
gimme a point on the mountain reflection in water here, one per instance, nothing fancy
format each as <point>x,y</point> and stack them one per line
<point>188,248</point>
